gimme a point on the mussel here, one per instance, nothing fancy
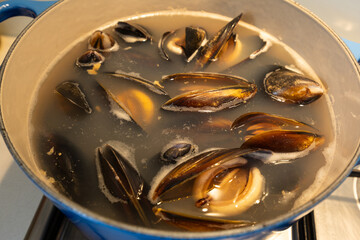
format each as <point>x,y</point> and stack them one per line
<point>185,41</point>
<point>198,224</point>
<point>210,51</point>
<point>228,189</point>
<point>59,163</point>
<point>72,92</point>
<point>254,123</point>
<point>285,85</point>
<point>212,100</point>
<point>286,145</point>
<point>103,42</point>
<point>148,84</point>
<point>118,177</point>
<point>176,150</point>
<point>192,167</point>
<point>90,59</point>
<point>132,33</point>
<point>185,82</point>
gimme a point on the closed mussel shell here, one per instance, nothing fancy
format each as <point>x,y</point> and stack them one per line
<point>285,85</point>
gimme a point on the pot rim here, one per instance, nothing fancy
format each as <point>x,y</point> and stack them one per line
<point>278,222</point>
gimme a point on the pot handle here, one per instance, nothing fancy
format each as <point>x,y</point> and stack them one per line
<point>29,8</point>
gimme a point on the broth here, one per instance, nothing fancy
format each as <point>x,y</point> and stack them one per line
<point>83,133</point>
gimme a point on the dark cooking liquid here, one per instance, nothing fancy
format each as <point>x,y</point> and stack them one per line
<point>84,133</point>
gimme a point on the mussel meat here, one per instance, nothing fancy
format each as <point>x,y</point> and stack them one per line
<point>228,189</point>
<point>132,33</point>
<point>72,92</point>
<point>285,85</point>
<point>184,41</point>
<point>102,42</point>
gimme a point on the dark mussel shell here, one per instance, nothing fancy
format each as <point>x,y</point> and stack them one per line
<point>285,85</point>
<point>90,59</point>
<point>148,84</point>
<point>202,80</point>
<point>182,41</point>
<point>257,122</point>
<point>120,177</point>
<point>71,91</point>
<point>212,100</point>
<point>198,224</point>
<point>214,45</point>
<point>103,42</point>
<point>176,150</point>
<point>286,145</point>
<point>192,167</point>
<point>60,163</point>
<point>132,33</point>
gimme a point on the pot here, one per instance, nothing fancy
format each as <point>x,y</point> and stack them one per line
<point>59,27</point>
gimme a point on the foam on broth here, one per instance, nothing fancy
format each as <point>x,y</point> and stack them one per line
<point>285,183</point>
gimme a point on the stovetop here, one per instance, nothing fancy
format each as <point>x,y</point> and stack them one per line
<point>25,213</point>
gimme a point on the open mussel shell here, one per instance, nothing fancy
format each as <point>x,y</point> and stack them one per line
<point>72,92</point>
<point>102,42</point>
<point>132,33</point>
<point>192,167</point>
<point>184,41</point>
<point>285,85</point>
<point>198,224</point>
<point>176,150</point>
<point>89,59</point>
<point>228,189</point>
<point>212,100</point>
<point>210,51</point>
<point>286,145</point>
<point>257,122</point>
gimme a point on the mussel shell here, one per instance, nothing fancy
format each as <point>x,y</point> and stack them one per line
<point>71,91</point>
<point>285,144</point>
<point>285,85</point>
<point>214,45</point>
<point>148,84</point>
<point>198,224</point>
<point>184,41</point>
<point>212,100</point>
<point>176,150</point>
<point>89,59</point>
<point>257,122</point>
<point>228,189</point>
<point>132,33</point>
<point>103,42</point>
<point>193,166</point>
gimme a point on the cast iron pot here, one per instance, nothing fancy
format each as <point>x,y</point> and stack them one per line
<point>58,28</point>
